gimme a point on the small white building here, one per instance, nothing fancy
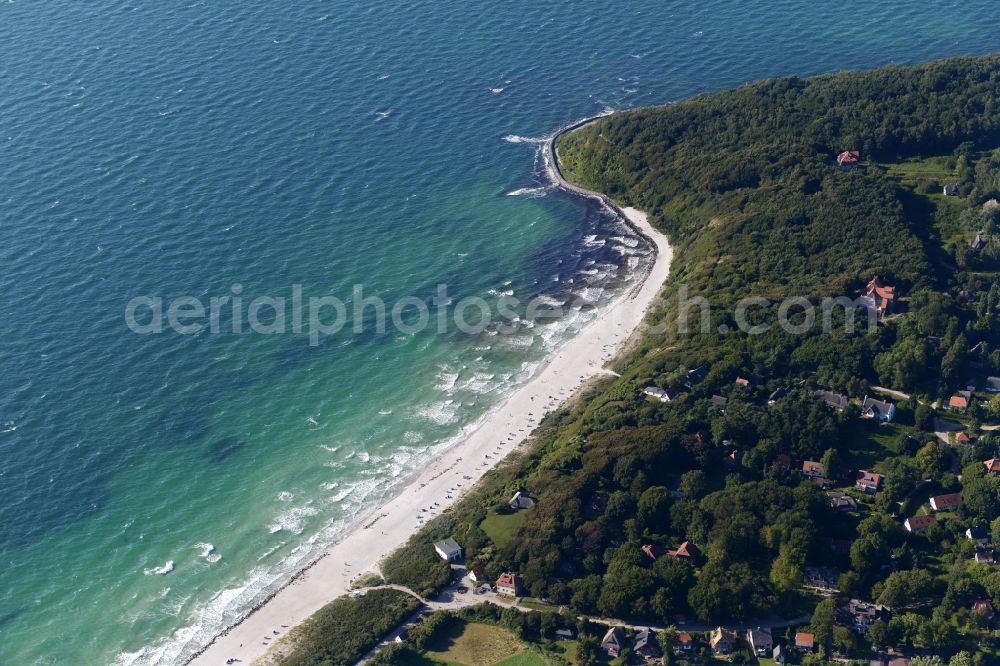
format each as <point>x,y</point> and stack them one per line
<point>448,550</point>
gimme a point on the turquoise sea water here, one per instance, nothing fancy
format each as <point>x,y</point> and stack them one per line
<point>176,149</point>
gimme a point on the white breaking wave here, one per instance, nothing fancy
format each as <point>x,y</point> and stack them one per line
<point>292,520</point>
<point>515,138</point>
<point>208,552</point>
<point>533,192</point>
<point>440,413</point>
<point>167,567</point>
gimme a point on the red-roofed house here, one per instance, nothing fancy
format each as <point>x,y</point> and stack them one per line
<point>684,642</point>
<point>868,481</point>
<point>985,607</point>
<point>812,469</point>
<point>878,296</point>
<point>992,465</point>
<point>509,584</point>
<point>686,551</point>
<point>959,403</point>
<point>919,524</point>
<point>654,551</point>
<point>946,502</point>
<point>849,159</point>
<point>805,641</point>
<point>962,438</point>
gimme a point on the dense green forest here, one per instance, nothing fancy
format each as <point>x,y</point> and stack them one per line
<point>746,185</point>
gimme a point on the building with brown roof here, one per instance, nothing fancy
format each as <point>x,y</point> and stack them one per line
<point>849,159</point>
<point>686,551</point>
<point>868,481</point>
<point>812,469</point>
<point>919,524</point>
<point>654,551</point>
<point>509,585</point>
<point>948,502</point>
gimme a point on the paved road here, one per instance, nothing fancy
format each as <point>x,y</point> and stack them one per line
<point>451,599</point>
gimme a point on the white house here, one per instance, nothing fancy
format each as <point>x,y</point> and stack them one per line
<point>448,550</point>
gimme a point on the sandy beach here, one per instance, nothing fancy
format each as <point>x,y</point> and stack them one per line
<point>503,430</point>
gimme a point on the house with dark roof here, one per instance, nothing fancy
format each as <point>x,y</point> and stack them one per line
<point>722,641</point>
<point>919,524</point>
<point>719,401</point>
<point>978,243</point>
<point>777,394</point>
<point>950,190</point>
<point>949,502</point>
<point>823,579</point>
<point>992,385</point>
<point>448,550</point>
<point>841,501</point>
<point>861,615</point>
<point>520,500</point>
<point>477,573</point>
<point>985,557</point>
<point>882,411</point>
<point>646,645</point>
<point>613,642</point>
<point>778,655</point>
<point>868,481</point>
<point>835,400</point>
<point>783,462</point>
<point>760,641</point>
<point>696,375</point>
<point>979,534</point>
<point>598,504</point>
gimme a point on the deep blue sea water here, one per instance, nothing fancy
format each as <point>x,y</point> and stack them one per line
<point>172,149</point>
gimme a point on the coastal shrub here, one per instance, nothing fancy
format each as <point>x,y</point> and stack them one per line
<point>345,629</point>
<point>418,567</point>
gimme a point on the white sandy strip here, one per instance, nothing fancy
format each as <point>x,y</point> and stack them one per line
<point>579,359</point>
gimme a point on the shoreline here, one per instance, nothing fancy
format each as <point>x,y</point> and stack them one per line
<point>457,469</point>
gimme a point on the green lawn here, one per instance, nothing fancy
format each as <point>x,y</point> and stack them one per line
<point>535,604</point>
<point>567,649</point>
<point>499,527</point>
<point>523,659</point>
<point>475,644</point>
<point>870,442</point>
<point>911,172</point>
